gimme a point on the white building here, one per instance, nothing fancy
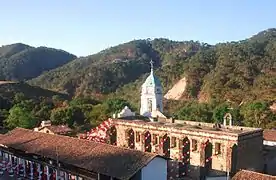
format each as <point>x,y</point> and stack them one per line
<point>126,112</point>
<point>151,95</point>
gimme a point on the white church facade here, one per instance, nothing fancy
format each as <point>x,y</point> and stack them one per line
<point>151,96</point>
<point>151,99</point>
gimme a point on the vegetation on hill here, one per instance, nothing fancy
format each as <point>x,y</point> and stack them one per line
<point>235,71</point>
<point>236,77</point>
<point>112,68</point>
<point>13,95</point>
<point>20,62</point>
<point>9,91</point>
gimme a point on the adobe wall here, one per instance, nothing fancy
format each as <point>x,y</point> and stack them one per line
<point>248,151</point>
<point>196,156</point>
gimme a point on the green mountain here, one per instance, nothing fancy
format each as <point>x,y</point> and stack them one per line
<point>108,70</point>
<point>20,62</point>
<point>233,71</point>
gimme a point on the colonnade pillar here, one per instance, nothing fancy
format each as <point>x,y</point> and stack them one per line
<point>47,173</point>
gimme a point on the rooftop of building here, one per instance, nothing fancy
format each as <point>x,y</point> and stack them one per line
<point>56,129</point>
<point>270,135</point>
<point>250,175</point>
<point>95,157</point>
<point>189,126</point>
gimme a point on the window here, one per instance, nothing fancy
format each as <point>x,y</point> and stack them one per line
<point>138,137</point>
<point>173,142</point>
<point>194,145</point>
<point>155,139</point>
<point>217,148</point>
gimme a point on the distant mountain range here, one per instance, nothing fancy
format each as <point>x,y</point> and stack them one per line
<point>234,71</point>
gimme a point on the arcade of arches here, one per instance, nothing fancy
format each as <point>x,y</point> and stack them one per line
<point>184,149</point>
<point>192,151</point>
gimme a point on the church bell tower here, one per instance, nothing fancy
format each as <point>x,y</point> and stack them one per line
<point>151,95</point>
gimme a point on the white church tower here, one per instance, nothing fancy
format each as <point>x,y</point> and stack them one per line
<point>151,95</point>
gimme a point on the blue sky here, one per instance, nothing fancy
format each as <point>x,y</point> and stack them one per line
<point>85,27</point>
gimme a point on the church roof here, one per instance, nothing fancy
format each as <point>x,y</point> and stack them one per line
<point>152,80</point>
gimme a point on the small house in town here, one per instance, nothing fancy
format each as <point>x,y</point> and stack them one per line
<point>47,127</point>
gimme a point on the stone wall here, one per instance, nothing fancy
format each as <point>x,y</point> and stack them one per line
<point>194,151</point>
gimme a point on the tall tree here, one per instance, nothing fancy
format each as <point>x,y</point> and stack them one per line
<point>20,117</point>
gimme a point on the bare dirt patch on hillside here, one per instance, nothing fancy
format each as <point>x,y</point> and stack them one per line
<point>177,91</point>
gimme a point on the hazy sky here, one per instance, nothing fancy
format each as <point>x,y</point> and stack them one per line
<point>84,27</point>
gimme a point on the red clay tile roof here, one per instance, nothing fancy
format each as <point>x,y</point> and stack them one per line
<point>250,175</point>
<point>100,158</point>
<point>269,135</point>
<point>58,129</point>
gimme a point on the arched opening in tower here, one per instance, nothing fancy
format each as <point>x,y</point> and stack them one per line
<point>113,135</point>
<point>147,137</point>
<point>208,156</point>
<point>130,138</point>
<point>149,105</point>
<point>185,156</point>
<point>166,145</point>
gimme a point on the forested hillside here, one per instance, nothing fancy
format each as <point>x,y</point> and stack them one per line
<point>233,71</point>
<point>112,68</point>
<point>236,77</point>
<point>20,62</point>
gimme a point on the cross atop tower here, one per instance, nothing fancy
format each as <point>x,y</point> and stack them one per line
<point>151,65</point>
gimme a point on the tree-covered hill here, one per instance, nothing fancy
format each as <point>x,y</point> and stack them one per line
<point>20,62</point>
<point>9,50</point>
<point>8,91</point>
<point>112,68</point>
<point>234,71</point>
<point>236,77</point>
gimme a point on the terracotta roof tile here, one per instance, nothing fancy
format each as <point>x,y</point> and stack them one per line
<point>100,158</point>
<point>250,175</point>
<point>269,135</point>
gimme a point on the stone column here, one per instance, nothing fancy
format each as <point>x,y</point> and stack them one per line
<point>39,171</point>
<point>65,176</point>
<point>32,170</point>
<point>47,173</point>
<point>24,167</point>
<point>57,174</point>
<point>10,158</point>
<point>16,165</point>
